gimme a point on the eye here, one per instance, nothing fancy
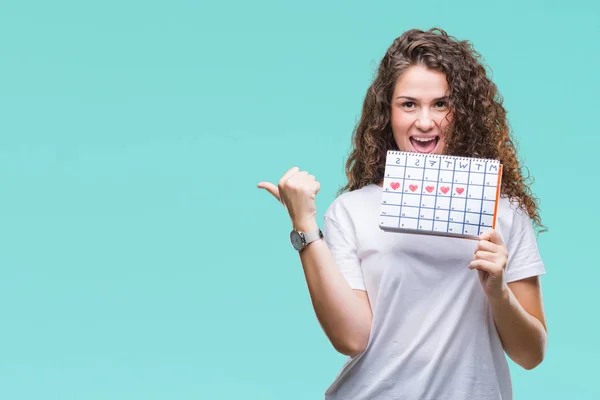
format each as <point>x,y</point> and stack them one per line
<point>408,104</point>
<point>440,104</point>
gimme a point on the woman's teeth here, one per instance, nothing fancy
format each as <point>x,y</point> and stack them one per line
<point>424,145</point>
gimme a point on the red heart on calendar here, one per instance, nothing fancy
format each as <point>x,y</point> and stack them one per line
<point>413,187</point>
<point>460,190</point>
<point>395,185</point>
<point>444,189</point>
<point>429,188</point>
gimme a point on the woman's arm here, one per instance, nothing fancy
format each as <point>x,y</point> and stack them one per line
<point>516,306</point>
<point>344,314</point>
<point>520,321</point>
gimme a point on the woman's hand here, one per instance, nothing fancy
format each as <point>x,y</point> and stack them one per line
<point>490,260</point>
<point>297,191</point>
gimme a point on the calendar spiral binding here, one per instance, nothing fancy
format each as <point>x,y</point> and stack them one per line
<point>441,156</point>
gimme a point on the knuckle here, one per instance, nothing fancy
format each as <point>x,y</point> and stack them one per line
<point>287,187</point>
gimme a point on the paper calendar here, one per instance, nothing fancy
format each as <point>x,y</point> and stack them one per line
<point>439,194</point>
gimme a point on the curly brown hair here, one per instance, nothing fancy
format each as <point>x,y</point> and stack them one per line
<point>479,127</point>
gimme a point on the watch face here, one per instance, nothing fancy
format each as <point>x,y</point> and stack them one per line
<point>296,240</point>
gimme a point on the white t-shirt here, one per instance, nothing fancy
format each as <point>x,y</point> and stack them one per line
<point>433,334</point>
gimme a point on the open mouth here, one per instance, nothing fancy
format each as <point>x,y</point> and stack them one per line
<point>424,144</point>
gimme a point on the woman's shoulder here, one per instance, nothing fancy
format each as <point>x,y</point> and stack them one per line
<point>511,217</point>
<point>510,207</point>
<point>347,203</point>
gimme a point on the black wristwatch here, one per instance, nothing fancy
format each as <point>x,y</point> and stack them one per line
<point>301,239</point>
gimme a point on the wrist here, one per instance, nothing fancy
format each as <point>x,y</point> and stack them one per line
<point>503,297</point>
<point>307,225</point>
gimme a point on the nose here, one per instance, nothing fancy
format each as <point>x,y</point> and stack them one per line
<point>424,121</point>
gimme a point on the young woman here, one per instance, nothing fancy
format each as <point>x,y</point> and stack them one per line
<point>420,316</point>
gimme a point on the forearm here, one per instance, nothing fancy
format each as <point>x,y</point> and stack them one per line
<point>523,336</point>
<point>344,317</point>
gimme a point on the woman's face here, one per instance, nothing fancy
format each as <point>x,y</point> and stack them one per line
<point>420,113</point>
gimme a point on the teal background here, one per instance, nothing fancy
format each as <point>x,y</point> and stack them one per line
<point>138,259</point>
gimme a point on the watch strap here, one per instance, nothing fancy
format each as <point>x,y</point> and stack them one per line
<point>310,237</point>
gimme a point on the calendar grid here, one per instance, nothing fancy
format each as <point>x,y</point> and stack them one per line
<point>421,196</point>
<point>454,198</point>
<point>467,197</point>
<point>436,190</point>
<point>481,209</point>
<point>399,177</point>
<point>402,191</point>
<point>452,189</point>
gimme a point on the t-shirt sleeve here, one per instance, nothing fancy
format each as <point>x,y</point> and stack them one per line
<point>340,237</point>
<point>524,258</point>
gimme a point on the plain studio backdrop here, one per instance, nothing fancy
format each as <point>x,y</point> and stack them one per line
<point>138,259</point>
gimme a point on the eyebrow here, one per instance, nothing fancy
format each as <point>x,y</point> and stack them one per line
<point>414,99</point>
